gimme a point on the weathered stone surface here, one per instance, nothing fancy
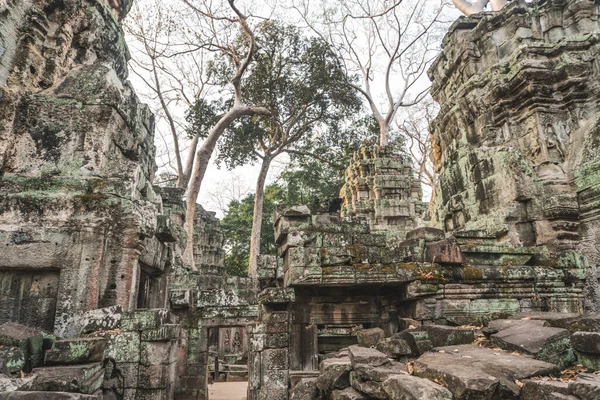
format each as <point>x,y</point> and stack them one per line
<point>76,351</point>
<point>370,337</point>
<point>574,322</point>
<point>12,359</point>
<point>544,390</point>
<point>347,394</point>
<point>372,389</point>
<point>30,341</point>
<point>586,342</point>
<point>102,319</point>
<point>380,374</point>
<point>407,387</point>
<point>417,340</point>
<point>545,343</point>
<point>47,396</point>
<point>86,378</point>
<point>441,335</point>
<point>366,356</point>
<point>479,373</point>
<point>394,348</point>
<point>334,374</point>
<point>305,389</point>
<point>585,387</point>
<point>8,384</point>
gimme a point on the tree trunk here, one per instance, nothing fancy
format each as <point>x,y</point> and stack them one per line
<point>184,178</point>
<point>202,158</point>
<point>257,216</point>
<point>384,133</point>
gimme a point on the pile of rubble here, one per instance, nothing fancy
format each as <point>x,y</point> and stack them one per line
<point>530,357</point>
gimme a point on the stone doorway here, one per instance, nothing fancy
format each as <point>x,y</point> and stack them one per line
<point>228,354</point>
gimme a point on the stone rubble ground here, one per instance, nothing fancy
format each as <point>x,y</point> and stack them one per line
<point>526,357</point>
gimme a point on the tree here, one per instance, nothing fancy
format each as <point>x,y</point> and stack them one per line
<point>389,44</point>
<point>414,126</point>
<point>240,55</point>
<point>171,67</point>
<point>299,82</point>
<point>237,229</point>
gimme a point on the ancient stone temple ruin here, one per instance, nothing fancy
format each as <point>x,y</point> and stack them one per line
<point>374,302</point>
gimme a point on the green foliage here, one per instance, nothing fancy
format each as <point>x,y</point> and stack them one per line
<point>237,227</point>
<point>203,116</point>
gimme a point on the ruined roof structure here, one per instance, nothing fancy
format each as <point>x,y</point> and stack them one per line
<point>370,303</point>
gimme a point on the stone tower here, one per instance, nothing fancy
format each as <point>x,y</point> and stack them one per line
<point>380,185</point>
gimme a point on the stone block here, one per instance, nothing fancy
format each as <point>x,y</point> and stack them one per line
<point>417,340</point>
<point>348,394</point>
<point>157,353</point>
<point>545,343</point>
<point>76,351</point>
<point>22,395</point>
<point>140,320</point>
<point>130,372</point>
<point>334,374</point>
<point>305,389</point>
<point>180,298</point>
<point>380,374</point>
<point>366,356</point>
<point>272,394</point>
<point>475,372</point>
<point>441,335</point>
<point>585,387</point>
<point>586,342</point>
<point>163,333</point>
<point>276,340</point>
<point>155,376</point>
<point>85,378</point>
<point>406,387</point>
<point>275,379</point>
<point>372,389</point>
<point>370,337</point>
<point>544,390</point>
<point>121,346</point>
<point>29,340</point>
<point>12,359</point>
<point>102,319</point>
<point>394,348</point>
<point>275,359</point>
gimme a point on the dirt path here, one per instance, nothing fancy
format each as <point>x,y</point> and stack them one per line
<point>228,391</point>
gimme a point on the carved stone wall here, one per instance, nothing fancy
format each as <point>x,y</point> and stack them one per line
<point>516,136</point>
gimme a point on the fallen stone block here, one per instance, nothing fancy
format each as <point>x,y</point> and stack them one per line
<point>472,372</point>
<point>418,341</point>
<point>370,337</point>
<point>380,374</point>
<point>543,390</point>
<point>76,351</point>
<point>372,389</point>
<point>407,387</point>
<point>29,340</point>
<point>544,343</point>
<point>587,347</point>
<point>85,378</point>
<point>571,321</point>
<point>586,387</point>
<point>305,389</point>
<point>442,335</point>
<point>348,394</point>
<point>394,348</point>
<point>334,374</point>
<point>47,396</point>
<point>12,359</point>
<point>366,356</point>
